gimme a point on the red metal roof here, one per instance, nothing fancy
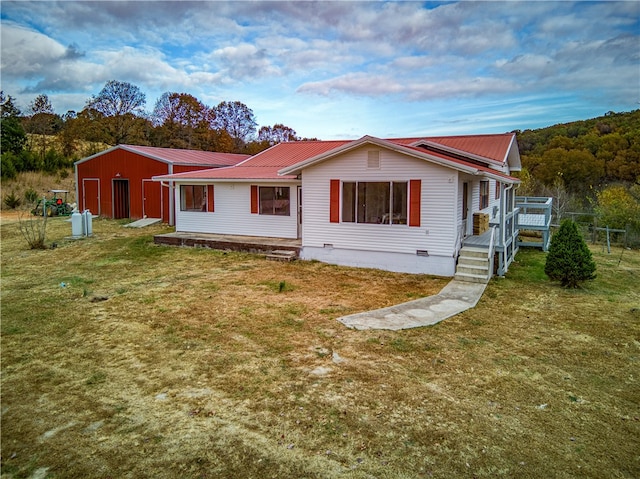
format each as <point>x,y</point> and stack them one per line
<point>287,154</point>
<point>265,165</point>
<point>240,172</point>
<point>188,157</point>
<point>491,147</point>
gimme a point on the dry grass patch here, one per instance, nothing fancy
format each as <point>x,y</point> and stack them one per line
<point>121,358</point>
<point>39,182</point>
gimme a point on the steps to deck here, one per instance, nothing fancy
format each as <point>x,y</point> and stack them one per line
<point>473,265</point>
<point>282,255</point>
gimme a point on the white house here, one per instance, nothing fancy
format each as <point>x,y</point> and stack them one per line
<point>406,205</point>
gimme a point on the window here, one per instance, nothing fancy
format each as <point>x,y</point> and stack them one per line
<point>375,202</point>
<point>193,198</point>
<point>498,190</point>
<point>274,200</point>
<point>484,194</point>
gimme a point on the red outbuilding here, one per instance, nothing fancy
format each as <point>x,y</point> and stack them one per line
<point>116,183</point>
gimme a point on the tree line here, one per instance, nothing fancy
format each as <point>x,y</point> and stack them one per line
<point>590,166</point>
<point>117,115</point>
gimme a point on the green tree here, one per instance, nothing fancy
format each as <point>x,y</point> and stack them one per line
<point>13,134</point>
<point>277,133</point>
<point>8,164</point>
<point>569,259</point>
<point>618,208</point>
<point>578,169</point>
<point>182,121</point>
<point>121,106</point>
<point>238,120</point>
<point>43,122</point>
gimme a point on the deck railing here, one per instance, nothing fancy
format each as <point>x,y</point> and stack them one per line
<point>535,211</point>
<point>535,215</point>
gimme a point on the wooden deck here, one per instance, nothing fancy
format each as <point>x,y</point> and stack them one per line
<point>248,244</point>
<point>478,241</point>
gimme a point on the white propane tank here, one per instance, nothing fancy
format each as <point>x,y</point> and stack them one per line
<point>87,222</point>
<point>77,229</point>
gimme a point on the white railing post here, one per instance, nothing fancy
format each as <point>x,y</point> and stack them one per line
<point>491,250</point>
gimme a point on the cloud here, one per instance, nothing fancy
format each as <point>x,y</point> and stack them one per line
<point>245,61</point>
<point>26,53</point>
<point>409,54</point>
<point>354,83</point>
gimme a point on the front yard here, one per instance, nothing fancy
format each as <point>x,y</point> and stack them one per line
<point>121,358</point>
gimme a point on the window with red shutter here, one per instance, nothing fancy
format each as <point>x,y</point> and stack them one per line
<point>334,201</point>
<point>415,200</point>
<point>210,201</point>
<point>254,199</point>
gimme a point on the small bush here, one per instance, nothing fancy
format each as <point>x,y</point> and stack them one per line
<point>569,259</point>
<point>31,195</point>
<point>12,201</point>
<point>34,231</point>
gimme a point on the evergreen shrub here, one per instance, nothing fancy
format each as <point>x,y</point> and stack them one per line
<point>569,259</point>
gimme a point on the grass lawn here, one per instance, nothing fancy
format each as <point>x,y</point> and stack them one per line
<point>124,359</point>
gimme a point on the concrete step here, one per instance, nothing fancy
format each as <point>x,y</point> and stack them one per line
<point>473,265</point>
<point>282,255</point>
<point>473,261</point>
<point>471,278</point>
<point>474,252</point>
<point>483,271</point>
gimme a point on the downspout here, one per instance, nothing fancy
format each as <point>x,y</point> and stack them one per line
<point>172,198</point>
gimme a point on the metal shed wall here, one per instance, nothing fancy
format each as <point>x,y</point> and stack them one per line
<point>107,173</point>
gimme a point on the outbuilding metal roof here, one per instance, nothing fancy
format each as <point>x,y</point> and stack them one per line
<point>177,156</point>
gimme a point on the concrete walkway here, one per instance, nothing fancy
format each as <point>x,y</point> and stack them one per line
<point>141,223</point>
<point>456,297</point>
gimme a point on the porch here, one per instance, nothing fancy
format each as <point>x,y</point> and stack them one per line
<point>528,214</point>
<point>248,244</point>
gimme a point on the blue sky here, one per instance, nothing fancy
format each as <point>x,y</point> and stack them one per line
<point>338,70</point>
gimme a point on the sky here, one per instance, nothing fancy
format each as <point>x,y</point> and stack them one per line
<point>337,70</point>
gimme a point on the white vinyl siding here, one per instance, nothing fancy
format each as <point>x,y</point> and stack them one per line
<point>233,214</point>
<point>437,230</point>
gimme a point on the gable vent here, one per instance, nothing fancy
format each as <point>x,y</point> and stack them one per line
<point>373,159</point>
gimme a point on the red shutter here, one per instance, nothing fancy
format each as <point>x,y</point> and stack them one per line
<point>334,202</point>
<point>415,193</point>
<point>210,202</point>
<point>254,199</point>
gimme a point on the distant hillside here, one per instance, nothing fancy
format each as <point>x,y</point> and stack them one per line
<point>584,154</point>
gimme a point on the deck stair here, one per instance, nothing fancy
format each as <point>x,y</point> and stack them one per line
<point>473,265</point>
<point>282,255</point>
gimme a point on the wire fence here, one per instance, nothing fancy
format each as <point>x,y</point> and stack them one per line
<point>597,233</point>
